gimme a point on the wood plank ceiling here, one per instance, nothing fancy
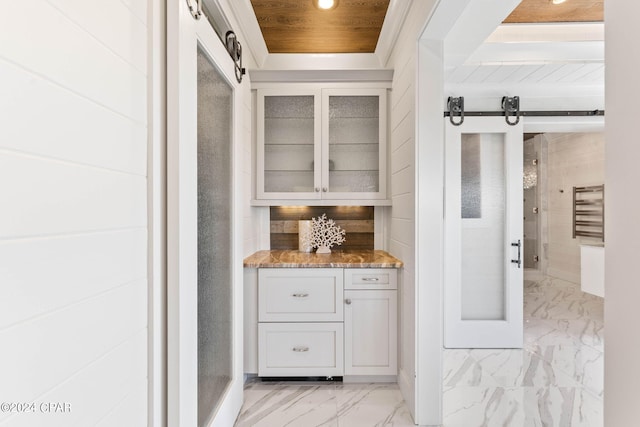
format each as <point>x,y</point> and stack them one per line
<point>542,11</point>
<point>298,26</point>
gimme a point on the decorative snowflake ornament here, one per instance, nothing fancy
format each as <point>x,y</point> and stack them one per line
<point>324,234</point>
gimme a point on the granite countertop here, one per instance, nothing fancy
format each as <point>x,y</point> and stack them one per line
<point>336,259</point>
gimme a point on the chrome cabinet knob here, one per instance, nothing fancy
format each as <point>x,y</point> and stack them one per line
<point>347,301</point>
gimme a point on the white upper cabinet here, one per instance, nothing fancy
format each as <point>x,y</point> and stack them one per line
<point>321,146</point>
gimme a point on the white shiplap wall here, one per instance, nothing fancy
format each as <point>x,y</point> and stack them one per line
<point>73,216</point>
<point>402,230</point>
<point>249,213</point>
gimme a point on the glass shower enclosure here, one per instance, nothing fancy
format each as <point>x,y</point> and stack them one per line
<point>533,188</point>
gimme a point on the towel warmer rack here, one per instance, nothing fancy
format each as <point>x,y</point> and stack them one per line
<point>588,211</point>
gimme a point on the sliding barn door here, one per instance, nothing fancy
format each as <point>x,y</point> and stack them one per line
<point>204,297</point>
<point>483,234</point>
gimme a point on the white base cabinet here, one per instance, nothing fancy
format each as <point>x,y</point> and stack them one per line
<point>370,331</point>
<point>327,322</point>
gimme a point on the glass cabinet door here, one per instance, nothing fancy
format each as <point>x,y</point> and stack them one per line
<point>354,137</point>
<point>315,143</point>
<point>288,146</point>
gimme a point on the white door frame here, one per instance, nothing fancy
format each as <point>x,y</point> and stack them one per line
<point>451,28</point>
<point>183,36</point>
<point>157,214</point>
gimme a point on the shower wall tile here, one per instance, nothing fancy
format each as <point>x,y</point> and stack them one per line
<point>574,159</point>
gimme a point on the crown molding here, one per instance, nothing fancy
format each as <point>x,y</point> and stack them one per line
<point>391,27</point>
<point>310,76</point>
<point>322,61</point>
<point>548,32</point>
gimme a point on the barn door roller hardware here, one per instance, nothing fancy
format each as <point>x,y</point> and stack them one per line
<point>195,7</point>
<point>511,107</point>
<point>235,50</point>
<point>456,108</point>
<point>223,29</point>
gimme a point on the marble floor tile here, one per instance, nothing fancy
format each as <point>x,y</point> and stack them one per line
<point>569,307</point>
<point>520,406</point>
<point>583,363</point>
<point>283,405</point>
<point>521,368</point>
<point>460,368</point>
<point>556,380</point>
<point>374,404</point>
<point>564,331</point>
<point>278,404</point>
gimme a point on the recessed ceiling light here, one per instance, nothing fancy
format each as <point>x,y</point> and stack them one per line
<point>325,4</point>
<point>557,1</point>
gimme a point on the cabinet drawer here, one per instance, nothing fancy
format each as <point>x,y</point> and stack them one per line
<point>300,295</point>
<point>300,349</point>
<point>370,278</point>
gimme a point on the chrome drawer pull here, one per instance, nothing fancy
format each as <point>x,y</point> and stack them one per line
<point>370,279</point>
<point>300,349</point>
<point>301,295</point>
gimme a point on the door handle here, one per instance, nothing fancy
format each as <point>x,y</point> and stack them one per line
<point>519,260</point>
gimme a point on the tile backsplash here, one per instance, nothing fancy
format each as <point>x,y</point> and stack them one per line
<point>357,221</point>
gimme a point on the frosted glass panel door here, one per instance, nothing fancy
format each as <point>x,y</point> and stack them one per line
<point>204,298</point>
<point>483,274</point>
<point>354,136</point>
<point>215,350</point>
<point>288,144</point>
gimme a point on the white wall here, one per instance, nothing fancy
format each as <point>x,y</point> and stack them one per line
<point>622,347</point>
<point>402,130</point>
<point>73,222</point>
<point>402,226</point>
<point>574,159</point>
